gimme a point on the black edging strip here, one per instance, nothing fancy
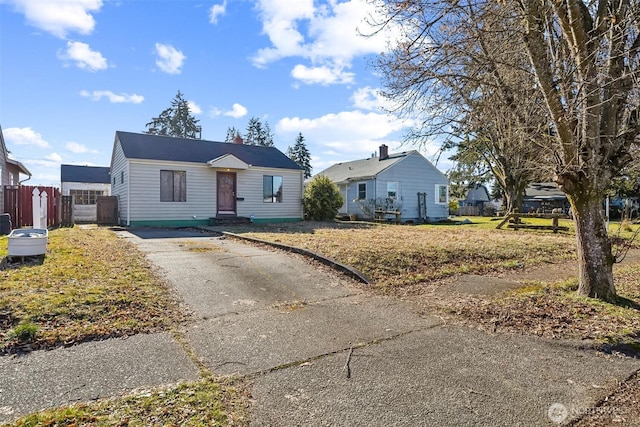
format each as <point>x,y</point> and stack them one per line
<point>345,269</point>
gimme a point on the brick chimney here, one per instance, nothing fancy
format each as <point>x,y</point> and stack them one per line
<point>238,139</point>
<point>384,152</point>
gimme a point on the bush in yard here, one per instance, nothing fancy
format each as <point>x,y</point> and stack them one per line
<point>321,199</point>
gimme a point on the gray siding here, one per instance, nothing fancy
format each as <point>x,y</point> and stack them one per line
<point>119,166</point>
<point>144,192</point>
<point>413,174</point>
<point>250,188</point>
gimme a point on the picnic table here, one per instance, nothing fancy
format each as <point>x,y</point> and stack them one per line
<point>515,222</point>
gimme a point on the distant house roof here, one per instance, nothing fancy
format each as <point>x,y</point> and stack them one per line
<point>167,148</point>
<point>93,174</point>
<point>363,169</point>
<point>544,191</point>
<point>478,193</point>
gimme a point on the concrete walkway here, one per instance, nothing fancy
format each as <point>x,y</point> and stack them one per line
<point>295,330</point>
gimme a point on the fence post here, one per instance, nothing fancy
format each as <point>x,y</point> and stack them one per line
<point>44,210</point>
<point>35,207</point>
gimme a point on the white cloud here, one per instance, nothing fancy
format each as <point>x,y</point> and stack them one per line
<point>194,108</point>
<point>170,59</point>
<point>368,98</point>
<point>78,148</point>
<point>321,75</point>
<point>83,56</point>
<point>24,136</point>
<point>59,17</point>
<point>326,34</point>
<point>216,11</point>
<point>114,98</point>
<point>54,157</point>
<point>237,111</point>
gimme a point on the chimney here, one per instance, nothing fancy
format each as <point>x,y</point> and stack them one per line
<point>238,139</point>
<point>384,152</point>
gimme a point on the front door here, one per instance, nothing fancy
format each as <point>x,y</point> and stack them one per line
<point>226,193</point>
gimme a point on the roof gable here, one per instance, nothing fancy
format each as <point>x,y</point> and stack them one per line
<point>93,174</point>
<point>167,148</point>
<point>228,161</point>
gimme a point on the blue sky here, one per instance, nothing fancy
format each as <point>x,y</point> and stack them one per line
<point>72,72</point>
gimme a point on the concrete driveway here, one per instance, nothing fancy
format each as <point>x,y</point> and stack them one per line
<point>291,326</point>
<point>317,350</point>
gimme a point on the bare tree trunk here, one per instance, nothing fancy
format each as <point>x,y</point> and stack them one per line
<point>595,261</point>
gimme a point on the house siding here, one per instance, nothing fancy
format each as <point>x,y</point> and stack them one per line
<point>119,165</point>
<point>351,205</point>
<point>414,174</point>
<point>250,188</point>
<point>144,193</point>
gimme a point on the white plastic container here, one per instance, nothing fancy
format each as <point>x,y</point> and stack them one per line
<point>28,242</point>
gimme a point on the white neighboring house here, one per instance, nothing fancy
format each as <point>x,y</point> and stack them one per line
<point>85,184</point>
<point>403,177</point>
<point>10,171</point>
<point>177,182</point>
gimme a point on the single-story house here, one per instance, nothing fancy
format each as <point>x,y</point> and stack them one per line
<point>84,184</point>
<point>168,181</point>
<point>476,198</point>
<point>543,197</point>
<point>407,180</point>
<point>10,170</point>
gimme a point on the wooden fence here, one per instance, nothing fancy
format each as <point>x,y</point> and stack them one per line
<point>18,204</point>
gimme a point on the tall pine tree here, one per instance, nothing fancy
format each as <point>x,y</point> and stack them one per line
<point>175,121</point>
<point>301,155</point>
<point>258,133</point>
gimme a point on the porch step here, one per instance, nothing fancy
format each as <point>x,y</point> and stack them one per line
<point>229,220</point>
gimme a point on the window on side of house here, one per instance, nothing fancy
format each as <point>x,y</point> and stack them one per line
<point>442,194</point>
<point>392,190</point>
<point>173,186</point>
<point>362,191</point>
<point>85,197</point>
<point>271,189</point>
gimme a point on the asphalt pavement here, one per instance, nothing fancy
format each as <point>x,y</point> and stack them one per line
<point>316,350</point>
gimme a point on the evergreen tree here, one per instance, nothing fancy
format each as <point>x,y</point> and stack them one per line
<point>258,133</point>
<point>175,120</point>
<point>300,154</point>
<point>232,132</point>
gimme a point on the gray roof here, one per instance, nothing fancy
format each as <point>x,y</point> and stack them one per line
<point>93,174</point>
<point>544,191</point>
<point>168,148</point>
<point>362,169</point>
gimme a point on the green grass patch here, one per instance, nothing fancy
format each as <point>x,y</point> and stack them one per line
<point>202,403</point>
<point>90,285</point>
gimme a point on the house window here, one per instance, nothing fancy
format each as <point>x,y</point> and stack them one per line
<point>114,180</point>
<point>173,186</point>
<point>362,191</point>
<point>272,189</point>
<point>121,177</point>
<point>85,197</point>
<point>392,190</point>
<point>442,194</point>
